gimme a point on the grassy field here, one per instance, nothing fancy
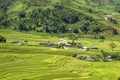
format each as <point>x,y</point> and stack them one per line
<point>34,62</point>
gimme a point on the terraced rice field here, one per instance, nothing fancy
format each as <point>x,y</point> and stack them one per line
<point>34,62</point>
<point>54,67</point>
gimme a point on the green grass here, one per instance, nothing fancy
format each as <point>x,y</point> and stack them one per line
<point>37,62</point>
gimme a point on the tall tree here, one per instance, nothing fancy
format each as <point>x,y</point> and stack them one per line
<point>112,46</point>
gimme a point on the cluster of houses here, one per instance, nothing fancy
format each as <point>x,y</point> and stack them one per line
<point>92,59</point>
<point>107,16</point>
<point>17,42</point>
<point>64,43</point>
<point>61,44</point>
<point>85,48</point>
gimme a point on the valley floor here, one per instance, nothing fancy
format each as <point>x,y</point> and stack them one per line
<point>35,62</point>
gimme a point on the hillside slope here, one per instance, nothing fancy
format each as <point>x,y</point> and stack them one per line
<point>86,16</point>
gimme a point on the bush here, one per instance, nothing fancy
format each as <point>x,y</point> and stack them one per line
<point>102,37</point>
<point>2,39</point>
<point>116,55</point>
<point>119,78</point>
<point>74,55</point>
<point>104,54</point>
<point>22,15</point>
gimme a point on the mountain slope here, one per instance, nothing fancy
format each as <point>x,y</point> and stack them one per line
<point>86,16</point>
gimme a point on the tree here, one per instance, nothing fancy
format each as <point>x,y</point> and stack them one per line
<point>85,27</point>
<point>63,29</point>
<point>103,53</point>
<point>74,55</point>
<point>96,29</point>
<point>34,14</point>
<point>114,32</point>
<point>22,15</point>
<point>118,7</point>
<point>47,30</point>
<point>102,37</point>
<point>112,46</point>
<point>73,37</point>
<point>70,16</point>
<point>2,39</point>
<point>76,30</point>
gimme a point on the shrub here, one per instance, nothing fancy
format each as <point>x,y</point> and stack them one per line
<point>2,39</point>
<point>74,55</point>
<point>22,15</point>
<point>104,54</point>
<point>116,55</point>
<point>102,37</point>
<point>119,78</point>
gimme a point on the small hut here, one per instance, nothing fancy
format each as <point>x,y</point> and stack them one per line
<point>94,47</point>
<point>17,42</point>
<point>84,48</point>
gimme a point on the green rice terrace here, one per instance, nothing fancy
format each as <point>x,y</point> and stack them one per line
<point>59,39</point>
<point>32,61</point>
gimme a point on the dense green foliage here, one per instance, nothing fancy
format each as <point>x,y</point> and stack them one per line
<point>2,39</point>
<point>57,16</point>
